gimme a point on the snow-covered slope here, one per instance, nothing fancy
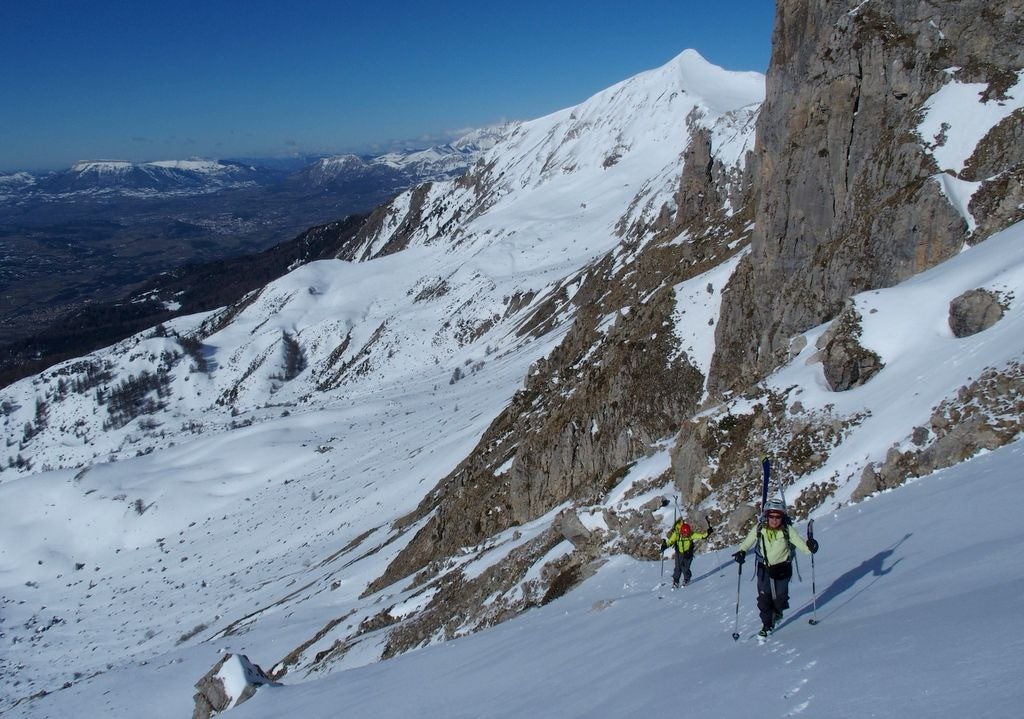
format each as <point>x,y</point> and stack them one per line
<point>931,626</point>
<point>907,626</point>
<point>170,498</point>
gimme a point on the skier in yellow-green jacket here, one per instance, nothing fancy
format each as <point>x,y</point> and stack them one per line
<point>775,540</point>
<point>682,539</point>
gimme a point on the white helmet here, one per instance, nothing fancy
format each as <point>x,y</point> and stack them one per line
<point>775,505</point>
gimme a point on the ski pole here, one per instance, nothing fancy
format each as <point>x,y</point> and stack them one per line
<point>664,503</point>
<point>717,558</point>
<point>814,590</point>
<point>736,626</point>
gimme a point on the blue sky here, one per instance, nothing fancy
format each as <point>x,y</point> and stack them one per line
<point>149,81</point>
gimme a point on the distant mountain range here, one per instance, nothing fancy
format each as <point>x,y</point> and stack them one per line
<point>151,177</point>
<point>104,179</point>
<point>108,178</point>
<point>441,162</point>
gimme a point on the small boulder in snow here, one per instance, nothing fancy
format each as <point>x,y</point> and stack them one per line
<point>233,680</point>
<point>845,362</point>
<point>973,312</point>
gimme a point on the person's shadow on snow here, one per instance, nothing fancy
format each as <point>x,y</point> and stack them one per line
<point>873,567</point>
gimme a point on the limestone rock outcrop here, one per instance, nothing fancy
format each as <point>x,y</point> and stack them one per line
<point>846,196</point>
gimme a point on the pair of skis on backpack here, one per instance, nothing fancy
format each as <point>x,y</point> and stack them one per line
<point>765,632</point>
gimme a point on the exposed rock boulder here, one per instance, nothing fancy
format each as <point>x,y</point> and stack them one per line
<point>233,680</point>
<point>846,363</point>
<point>920,436</point>
<point>974,311</point>
<point>689,467</point>
<point>568,524</point>
<point>961,443</point>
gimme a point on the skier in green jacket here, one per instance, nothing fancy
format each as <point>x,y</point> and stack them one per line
<point>682,538</point>
<point>776,541</point>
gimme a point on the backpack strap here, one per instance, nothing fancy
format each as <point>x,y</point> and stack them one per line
<point>761,551</point>
<point>786,529</point>
<point>792,550</point>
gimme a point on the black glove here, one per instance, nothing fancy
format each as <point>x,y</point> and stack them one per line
<point>664,545</point>
<point>740,557</point>
<point>812,544</point>
<point>710,530</point>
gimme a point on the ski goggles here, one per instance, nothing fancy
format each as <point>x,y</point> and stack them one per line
<point>773,515</point>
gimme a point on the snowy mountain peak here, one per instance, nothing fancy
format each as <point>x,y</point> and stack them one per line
<point>700,83</point>
<point>719,89</point>
<point>638,119</point>
<point>194,165</point>
<point>102,166</point>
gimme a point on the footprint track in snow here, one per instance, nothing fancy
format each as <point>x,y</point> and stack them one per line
<point>796,689</point>
<point>798,709</point>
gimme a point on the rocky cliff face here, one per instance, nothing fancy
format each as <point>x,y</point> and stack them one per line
<point>847,195</point>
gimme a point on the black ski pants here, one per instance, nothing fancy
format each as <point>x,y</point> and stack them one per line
<point>773,591</point>
<point>682,568</point>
